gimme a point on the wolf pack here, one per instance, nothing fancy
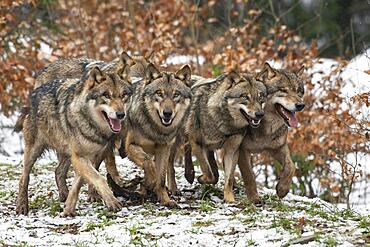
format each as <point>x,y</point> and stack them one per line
<point>85,110</point>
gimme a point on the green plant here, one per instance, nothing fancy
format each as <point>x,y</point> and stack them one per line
<point>202,223</point>
<point>330,241</point>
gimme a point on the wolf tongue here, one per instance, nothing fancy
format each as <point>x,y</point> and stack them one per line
<point>115,124</point>
<point>292,119</point>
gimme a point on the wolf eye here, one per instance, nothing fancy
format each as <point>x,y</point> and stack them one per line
<point>283,90</point>
<point>244,96</point>
<point>124,94</point>
<point>176,94</point>
<point>159,93</point>
<point>262,97</point>
<point>106,95</point>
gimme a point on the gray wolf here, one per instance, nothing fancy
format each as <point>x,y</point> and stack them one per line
<point>75,68</point>
<point>157,111</point>
<point>79,119</point>
<point>285,98</point>
<point>220,112</point>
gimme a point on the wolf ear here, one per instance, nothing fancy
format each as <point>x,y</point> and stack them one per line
<point>300,71</point>
<point>184,74</point>
<point>149,55</point>
<point>152,73</point>
<point>124,59</point>
<point>267,73</point>
<point>123,72</point>
<point>96,76</point>
<point>234,77</point>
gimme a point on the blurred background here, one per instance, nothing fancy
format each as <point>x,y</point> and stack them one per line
<point>331,37</point>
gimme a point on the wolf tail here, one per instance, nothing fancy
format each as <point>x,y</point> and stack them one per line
<point>19,124</point>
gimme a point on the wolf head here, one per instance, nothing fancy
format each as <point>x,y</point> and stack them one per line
<point>167,96</point>
<point>138,64</point>
<point>285,92</point>
<point>245,98</point>
<point>107,95</point>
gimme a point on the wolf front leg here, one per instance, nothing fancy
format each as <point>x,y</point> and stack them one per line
<point>137,155</point>
<point>248,175</point>
<point>92,194</point>
<point>161,163</point>
<point>110,164</point>
<point>285,178</point>
<point>85,169</point>
<point>71,202</point>
<point>231,148</point>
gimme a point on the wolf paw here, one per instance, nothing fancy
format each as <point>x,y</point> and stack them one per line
<point>282,190</point>
<point>258,202</point>
<point>69,213</point>
<point>170,204</point>
<point>118,180</point>
<point>63,194</point>
<point>175,192</point>
<point>22,208</point>
<point>229,198</point>
<point>93,196</point>
<point>113,204</point>
<point>204,180</point>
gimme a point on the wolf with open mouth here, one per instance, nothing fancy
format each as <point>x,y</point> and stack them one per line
<point>158,109</point>
<point>79,119</point>
<point>285,98</point>
<point>220,112</point>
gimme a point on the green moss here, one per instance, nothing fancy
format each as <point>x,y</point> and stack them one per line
<point>202,223</point>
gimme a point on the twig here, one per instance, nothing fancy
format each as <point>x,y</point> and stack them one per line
<point>194,35</point>
<point>352,179</point>
<point>353,38</point>
<point>131,12</point>
<point>289,10</point>
<point>82,27</point>
<point>273,11</point>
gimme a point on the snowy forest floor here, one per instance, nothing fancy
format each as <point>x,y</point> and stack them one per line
<point>202,219</point>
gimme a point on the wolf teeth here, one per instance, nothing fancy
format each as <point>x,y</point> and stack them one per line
<point>256,121</point>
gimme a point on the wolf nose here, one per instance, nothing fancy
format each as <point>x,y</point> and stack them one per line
<point>167,112</point>
<point>299,106</point>
<point>259,114</point>
<point>120,114</point>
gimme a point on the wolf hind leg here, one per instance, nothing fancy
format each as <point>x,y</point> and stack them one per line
<point>207,176</point>
<point>31,153</point>
<point>189,166</point>
<point>213,164</point>
<point>61,176</point>
<point>171,175</point>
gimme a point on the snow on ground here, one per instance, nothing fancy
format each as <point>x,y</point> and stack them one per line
<point>202,219</point>
<point>183,59</point>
